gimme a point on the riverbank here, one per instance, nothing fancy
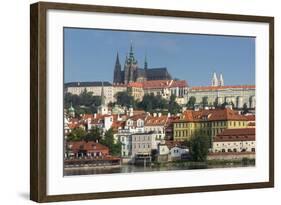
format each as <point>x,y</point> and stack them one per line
<point>208,164</point>
<point>167,166</point>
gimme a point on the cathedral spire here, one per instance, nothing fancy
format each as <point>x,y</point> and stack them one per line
<point>131,49</point>
<point>117,59</point>
<point>145,62</point>
<point>117,77</point>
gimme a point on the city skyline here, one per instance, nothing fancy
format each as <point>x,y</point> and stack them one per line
<point>90,55</point>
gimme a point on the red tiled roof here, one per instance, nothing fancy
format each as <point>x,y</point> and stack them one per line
<point>212,115</point>
<point>239,134</point>
<point>164,84</point>
<point>117,124</point>
<point>139,112</point>
<point>223,87</point>
<point>135,84</point>
<point>152,121</point>
<point>171,143</point>
<point>250,117</point>
<point>89,146</point>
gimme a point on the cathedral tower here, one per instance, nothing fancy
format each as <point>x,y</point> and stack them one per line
<point>117,79</point>
<point>130,67</point>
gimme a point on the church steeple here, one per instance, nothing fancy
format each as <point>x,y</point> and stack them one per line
<point>102,109</point>
<point>215,80</point>
<point>131,50</point>
<point>221,81</point>
<point>117,78</point>
<point>145,62</point>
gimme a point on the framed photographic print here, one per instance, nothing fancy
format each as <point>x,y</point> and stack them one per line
<point>136,102</point>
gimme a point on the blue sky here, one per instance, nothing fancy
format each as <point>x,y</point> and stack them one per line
<point>90,55</point>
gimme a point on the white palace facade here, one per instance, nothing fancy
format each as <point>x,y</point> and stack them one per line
<point>218,93</point>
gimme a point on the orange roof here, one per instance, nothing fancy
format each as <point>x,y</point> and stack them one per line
<point>223,87</point>
<point>250,117</point>
<point>75,146</point>
<point>139,112</point>
<point>239,134</point>
<point>164,84</point>
<point>152,121</point>
<point>212,115</point>
<point>135,84</point>
<point>117,124</point>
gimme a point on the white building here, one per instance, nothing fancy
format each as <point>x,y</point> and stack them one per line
<point>144,143</point>
<point>235,140</point>
<point>157,124</point>
<point>177,152</point>
<point>76,88</point>
<point>218,93</point>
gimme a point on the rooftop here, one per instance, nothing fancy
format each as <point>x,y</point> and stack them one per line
<point>239,134</point>
<point>222,87</point>
<point>212,115</point>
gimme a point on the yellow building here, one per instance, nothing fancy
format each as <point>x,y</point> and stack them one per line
<point>209,122</point>
<point>135,89</point>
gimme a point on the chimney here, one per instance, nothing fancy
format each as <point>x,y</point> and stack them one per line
<point>95,115</point>
<point>169,114</point>
<point>159,114</point>
<point>154,114</point>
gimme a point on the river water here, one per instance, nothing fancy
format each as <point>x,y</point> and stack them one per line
<point>133,168</point>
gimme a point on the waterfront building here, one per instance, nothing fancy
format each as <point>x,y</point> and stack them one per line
<point>235,140</point>
<point>209,122</point>
<point>86,149</point>
<point>133,73</point>
<point>218,94</point>
<point>177,152</point>
<point>144,143</point>
<point>157,124</point>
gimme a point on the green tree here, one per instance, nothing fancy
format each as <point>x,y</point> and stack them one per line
<point>191,102</point>
<point>245,109</point>
<point>77,134</point>
<point>124,99</point>
<point>173,107</point>
<point>199,146</point>
<point>83,103</point>
<point>205,101</point>
<point>108,140</point>
<point>95,134</point>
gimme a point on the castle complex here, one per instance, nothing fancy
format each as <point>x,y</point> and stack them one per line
<point>133,73</point>
<point>218,93</point>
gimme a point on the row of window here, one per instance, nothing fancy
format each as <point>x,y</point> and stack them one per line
<point>141,146</point>
<point>235,150</point>
<point>208,124</point>
<point>236,144</point>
